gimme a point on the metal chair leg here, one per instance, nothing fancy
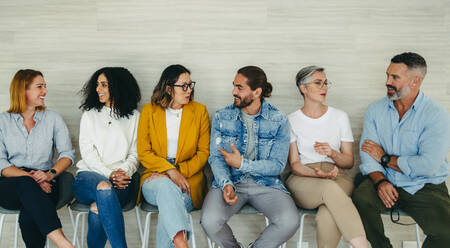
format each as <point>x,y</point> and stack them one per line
<point>210,243</point>
<point>194,245</point>
<point>300,235</point>
<point>146,229</point>
<point>83,225</point>
<point>417,236</point>
<point>75,229</point>
<point>16,232</point>
<point>2,219</point>
<point>138,219</point>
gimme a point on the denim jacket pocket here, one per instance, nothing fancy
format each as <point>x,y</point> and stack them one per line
<point>227,140</point>
<point>265,142</point>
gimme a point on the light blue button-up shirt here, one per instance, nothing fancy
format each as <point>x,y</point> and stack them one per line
<point>420,140</point>
<point>33,150</point>
<point>271,138</point>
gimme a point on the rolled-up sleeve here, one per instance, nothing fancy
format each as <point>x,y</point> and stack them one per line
<point>368,164</point>
<point>63,144</point>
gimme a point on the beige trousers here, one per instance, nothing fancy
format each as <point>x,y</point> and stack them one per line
<point>336,214</point>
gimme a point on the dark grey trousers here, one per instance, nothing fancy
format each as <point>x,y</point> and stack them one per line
<point>275,204</point>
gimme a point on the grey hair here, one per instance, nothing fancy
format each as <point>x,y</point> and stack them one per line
<point>305,73</point>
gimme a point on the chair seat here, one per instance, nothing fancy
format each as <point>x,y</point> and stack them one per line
<point>307,211</point>
<point>9,211</point>
<point>147,207</point>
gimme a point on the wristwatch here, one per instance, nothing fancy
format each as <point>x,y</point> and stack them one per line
<point>53,172</point>
<point>385,159</point>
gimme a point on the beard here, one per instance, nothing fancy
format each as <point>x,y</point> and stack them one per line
<point>243,102</point>
<point>398,93</point>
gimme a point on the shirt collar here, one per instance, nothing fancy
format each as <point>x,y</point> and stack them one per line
<point>416,105</point>
<point>37,116</point>
<point>263,111</point>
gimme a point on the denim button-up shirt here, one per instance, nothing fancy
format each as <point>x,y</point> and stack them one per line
<point>271,130</point>
<point>420,140</point>
<point>33,150</point>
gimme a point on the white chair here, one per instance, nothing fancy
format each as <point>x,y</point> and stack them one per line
<point>151,209</point>
<point>4,212</point>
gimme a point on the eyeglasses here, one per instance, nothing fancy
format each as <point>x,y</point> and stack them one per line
<point>320,85</point>
<point>185,87</point>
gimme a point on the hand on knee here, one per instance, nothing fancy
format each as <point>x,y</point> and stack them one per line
<point>103,185</point>
<point>94,208</point>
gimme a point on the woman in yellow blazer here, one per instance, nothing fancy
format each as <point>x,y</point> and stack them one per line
<point>173,146</point>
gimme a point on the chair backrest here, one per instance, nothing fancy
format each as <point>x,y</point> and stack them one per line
<point>65,193</point>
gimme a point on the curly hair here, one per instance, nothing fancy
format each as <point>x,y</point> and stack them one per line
<point>124,91</point>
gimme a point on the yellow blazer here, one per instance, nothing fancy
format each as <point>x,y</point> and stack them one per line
<point>192,150</point>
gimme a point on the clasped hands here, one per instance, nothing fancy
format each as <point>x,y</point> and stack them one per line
<point>119,179</point>
<point>323,148</point>
<point>43,179</point>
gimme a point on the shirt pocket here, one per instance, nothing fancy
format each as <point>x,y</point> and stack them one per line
<point>266,139</point>
<point>229,135</point>
<point>409,142</point>
<point>43,147</point>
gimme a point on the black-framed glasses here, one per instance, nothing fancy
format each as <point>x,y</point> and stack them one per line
<point>320,85</point>
<point>185,87</point>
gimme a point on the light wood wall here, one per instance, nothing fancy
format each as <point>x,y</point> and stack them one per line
<point>354,40</point>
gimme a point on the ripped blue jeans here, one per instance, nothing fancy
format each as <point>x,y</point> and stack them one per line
<point>108,224</point>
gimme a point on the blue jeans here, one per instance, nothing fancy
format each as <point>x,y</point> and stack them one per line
<point>108,223</point>
<point>173,206</point>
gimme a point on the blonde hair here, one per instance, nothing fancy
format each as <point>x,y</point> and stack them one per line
<point>20,82</point>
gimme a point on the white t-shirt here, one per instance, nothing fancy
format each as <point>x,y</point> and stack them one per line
<point>173,121</point>
<point>333,127</point>
<point>108,143</point>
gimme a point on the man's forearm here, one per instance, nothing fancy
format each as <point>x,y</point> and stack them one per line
<point>376,176</point>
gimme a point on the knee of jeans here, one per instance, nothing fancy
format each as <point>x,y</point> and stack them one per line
<point>103,185</point>
<point>167,187</point>
<point>288,221</point>
<point>211,221</point>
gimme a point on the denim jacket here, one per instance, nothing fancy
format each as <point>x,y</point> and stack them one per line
<point>271,131</point>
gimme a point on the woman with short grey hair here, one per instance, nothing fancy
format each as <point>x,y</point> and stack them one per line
<point>321,149</point>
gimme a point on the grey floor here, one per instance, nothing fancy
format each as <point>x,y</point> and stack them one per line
<point>245,227</point>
